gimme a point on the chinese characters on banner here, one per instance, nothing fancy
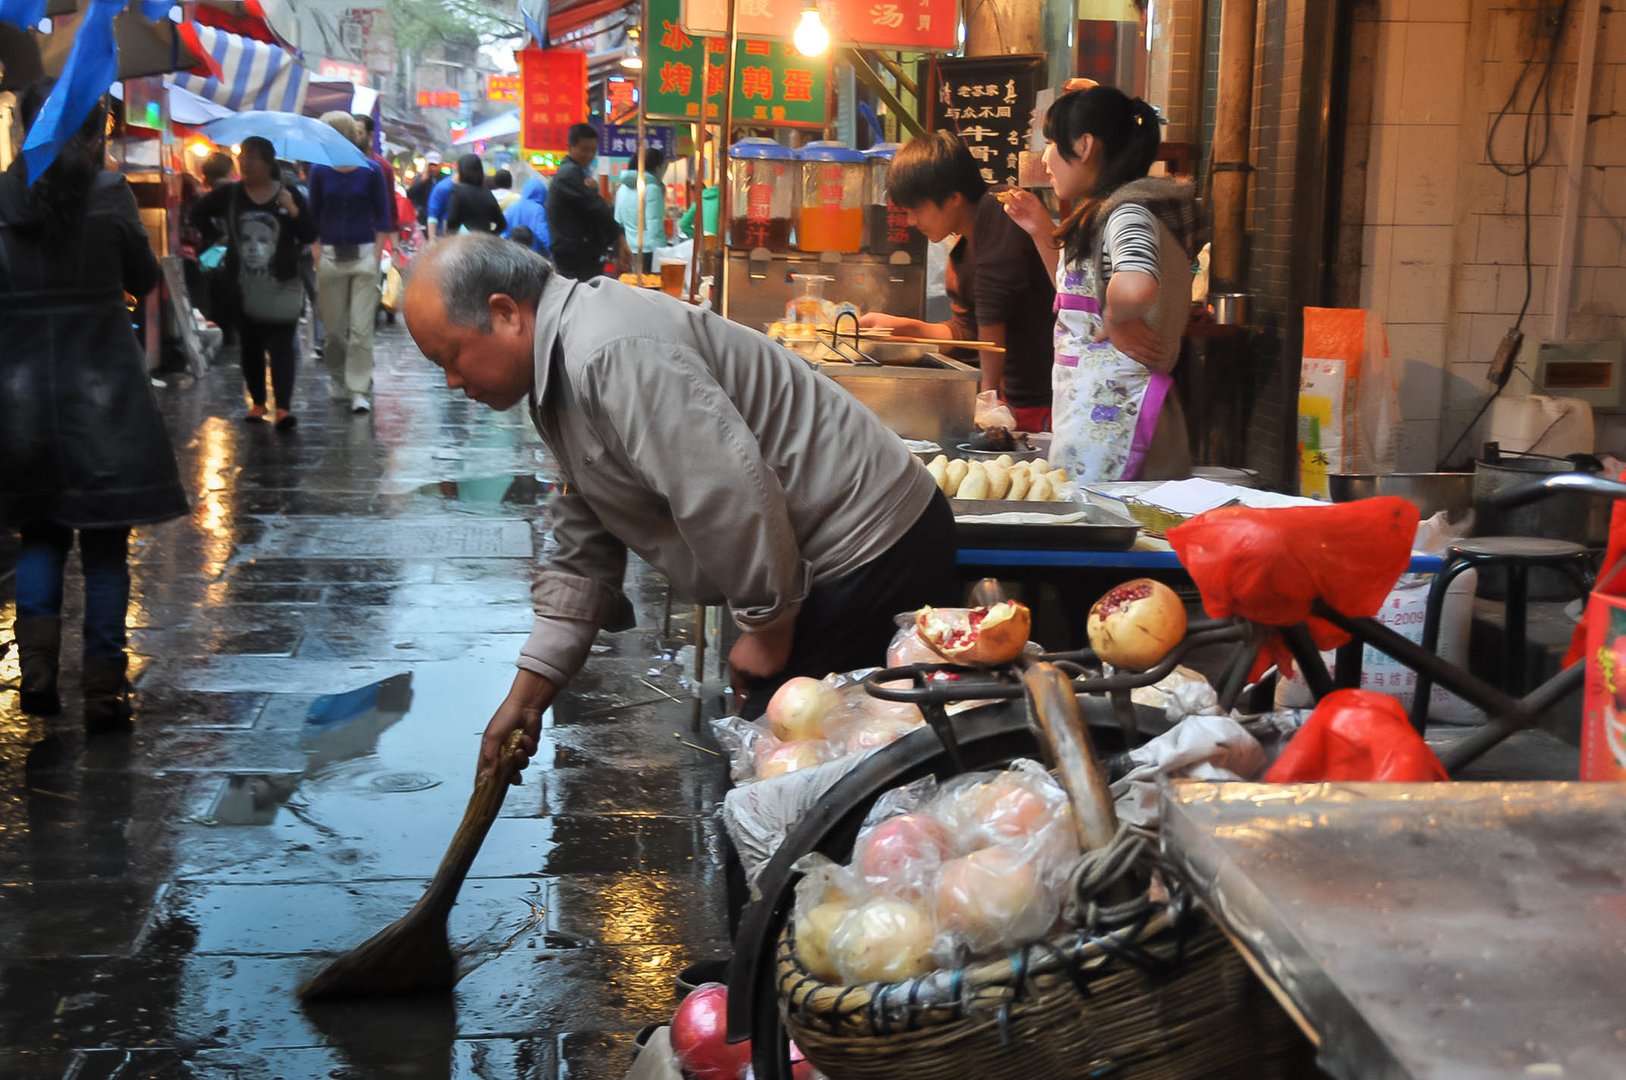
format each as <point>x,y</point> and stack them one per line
<point>911,25</point>
<point>439,99</point>
<point>988,102</point>
<point>553,95</point>
<point>502,88</point>
<point>621,140</point>
<point>773,83</point>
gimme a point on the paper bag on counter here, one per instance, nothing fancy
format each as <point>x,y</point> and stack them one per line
<point>1349,399</point>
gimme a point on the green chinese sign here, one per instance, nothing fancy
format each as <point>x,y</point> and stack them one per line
<point>773,83</point>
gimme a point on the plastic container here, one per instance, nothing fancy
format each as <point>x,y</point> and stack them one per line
<point>1536,424</point>
<point>764,184</point>
<point>886,225</point>
<point>831,215</point>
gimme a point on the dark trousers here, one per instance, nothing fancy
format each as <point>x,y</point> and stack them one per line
<point>273,342</point>
<point>647,262</point>
<point>848,623</point>
<point>103,555</point>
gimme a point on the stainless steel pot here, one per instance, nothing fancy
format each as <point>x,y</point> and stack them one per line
<point>1430,492</point>
<point>1230,308</point>
<point>1572,517</point>
<point>1560,517</point>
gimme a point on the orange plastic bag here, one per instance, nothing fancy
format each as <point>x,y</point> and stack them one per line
<point>1270,566</point>
<point>1357,735</point>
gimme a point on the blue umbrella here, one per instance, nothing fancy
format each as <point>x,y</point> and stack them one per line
<point>296,138</point>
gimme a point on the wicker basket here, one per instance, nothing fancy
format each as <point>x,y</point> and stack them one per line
<point>1168,999</point>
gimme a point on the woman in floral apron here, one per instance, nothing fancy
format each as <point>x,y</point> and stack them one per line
<point>1122,262</point>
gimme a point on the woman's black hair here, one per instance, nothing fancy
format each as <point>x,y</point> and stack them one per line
<point>934,166</point>
<point>257,146</point>
<point>1129,135</point>
<point>56,200</point>
<point>654,159</point>
<point>471,171</point>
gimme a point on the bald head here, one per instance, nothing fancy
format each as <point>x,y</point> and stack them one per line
<point>471,307</point>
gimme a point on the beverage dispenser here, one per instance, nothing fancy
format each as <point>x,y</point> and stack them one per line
<point>763,181</point>
<point>886,225</point>
<point>832,204</point>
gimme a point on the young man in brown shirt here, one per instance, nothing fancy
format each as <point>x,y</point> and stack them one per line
<point>998,288</point>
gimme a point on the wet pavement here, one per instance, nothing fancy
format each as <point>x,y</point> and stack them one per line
<point>317,649</point>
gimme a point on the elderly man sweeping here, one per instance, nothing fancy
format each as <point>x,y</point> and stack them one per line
<point>726,462</point>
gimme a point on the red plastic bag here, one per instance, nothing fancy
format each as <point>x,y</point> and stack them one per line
<point>1270,566</point>
<point>1357,735</point>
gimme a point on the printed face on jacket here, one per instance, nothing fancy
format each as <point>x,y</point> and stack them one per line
<point>258,232</point>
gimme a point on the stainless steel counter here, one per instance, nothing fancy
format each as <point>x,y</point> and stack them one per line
<point>1463,930</point>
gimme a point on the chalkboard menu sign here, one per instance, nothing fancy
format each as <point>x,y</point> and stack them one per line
<point>988,101</point>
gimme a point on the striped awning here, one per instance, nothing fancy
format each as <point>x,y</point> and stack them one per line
<point>244,73</point>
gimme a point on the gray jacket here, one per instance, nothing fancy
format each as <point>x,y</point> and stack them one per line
<point>726,462</point>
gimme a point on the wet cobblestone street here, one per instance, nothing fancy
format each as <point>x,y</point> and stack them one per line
<point>317,648</point>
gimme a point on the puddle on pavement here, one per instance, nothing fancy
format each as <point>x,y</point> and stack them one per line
<point>490,493</point>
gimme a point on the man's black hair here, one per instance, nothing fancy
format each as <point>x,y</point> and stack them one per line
<point>933,167</point>
<point>581,133</point>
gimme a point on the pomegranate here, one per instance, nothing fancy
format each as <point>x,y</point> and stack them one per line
<point>798,709</point>
<point>883,941</point>
<point>909,648</point>
<point>991,898</point>
<point>698,1036</point>
<point>1136,624</point>
<point>903,851</point>
<point>1005,809</point>
<point>881,731</point>
<point>777,760</point>
<point>990,635</point>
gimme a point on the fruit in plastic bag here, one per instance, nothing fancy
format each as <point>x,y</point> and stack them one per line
<point>984,635</point>
<point>814,930</point>
<point>1357,735</point>
<point>990,899</point>
<point>902,851</point>
<point>699,1030</point>
<point>881,731</point>
<point>777,759</point>
<point>908,647</point>
<point>883,940</point>
<point>798,709</point>
<point>1005,808</point>
<point>1134,625</point>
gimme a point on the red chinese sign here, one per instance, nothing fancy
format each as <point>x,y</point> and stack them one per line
<point>620,97</point>
<point>553,96</point>
<point>439,99</point>
<point>908,25</point>
<point>502,88</point>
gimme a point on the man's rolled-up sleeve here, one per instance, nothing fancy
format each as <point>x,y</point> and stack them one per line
<point>577,594</point>
<point>706,462</point>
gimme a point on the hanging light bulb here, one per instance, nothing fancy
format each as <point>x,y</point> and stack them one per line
<point>811,37</point>
<point>633,60</point>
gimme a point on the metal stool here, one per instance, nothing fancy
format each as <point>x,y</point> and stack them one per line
<point>1518,555</point>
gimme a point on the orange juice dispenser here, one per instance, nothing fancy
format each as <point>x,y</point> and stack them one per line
<point>831,216</point>
<point>762,178</point>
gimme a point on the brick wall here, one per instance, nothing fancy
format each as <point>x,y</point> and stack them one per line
<point>1442,243</point>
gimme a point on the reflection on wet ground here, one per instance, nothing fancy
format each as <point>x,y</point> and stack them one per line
<point>318,648</point>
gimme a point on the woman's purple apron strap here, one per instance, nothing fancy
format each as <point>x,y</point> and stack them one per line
<point>1151,407</point>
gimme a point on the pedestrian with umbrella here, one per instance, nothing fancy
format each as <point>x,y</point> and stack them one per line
<point>351,205</point>
<point>268,223</point>
<point>83,450</point>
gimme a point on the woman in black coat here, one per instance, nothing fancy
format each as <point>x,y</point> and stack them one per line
<point>473,208</point>
<point>82,445</point>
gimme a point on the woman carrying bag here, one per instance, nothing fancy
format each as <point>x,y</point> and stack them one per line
<point>267,225</point>
<point>83,449</point>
